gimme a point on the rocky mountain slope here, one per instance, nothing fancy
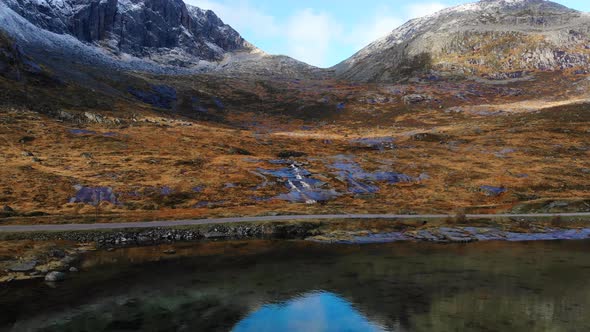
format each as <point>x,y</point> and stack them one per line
<point>164,36</point>
<point>138,28</point>
<point>495,39</point>
<point>491,38</point>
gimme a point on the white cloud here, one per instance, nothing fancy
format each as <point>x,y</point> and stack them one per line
<point>243,16</point>
<point>310,35</point>
<point>423,9</point>
<point>307,35</point>
<point>204,4</point>
<point>385,20</point>
<point>377,27</point>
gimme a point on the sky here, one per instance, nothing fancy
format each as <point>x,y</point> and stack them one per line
<point>325,32</point>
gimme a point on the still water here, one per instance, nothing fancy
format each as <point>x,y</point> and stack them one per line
<point>301,286</point>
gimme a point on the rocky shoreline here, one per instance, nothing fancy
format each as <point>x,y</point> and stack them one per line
<point>308,230</point>
<point>462,235</point>
<point>159,235</point>
<point>50,264</point>
<point>53,263</point>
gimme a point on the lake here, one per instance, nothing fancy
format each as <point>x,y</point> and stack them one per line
<point>265,285</point>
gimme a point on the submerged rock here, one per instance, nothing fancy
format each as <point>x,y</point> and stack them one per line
<point>456,234</point>
<point>23,267</point>
<point>55,276</point>
<point>468,234</point>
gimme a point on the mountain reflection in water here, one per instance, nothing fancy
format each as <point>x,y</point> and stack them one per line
<point>313,312</point>
<point>303,286</point>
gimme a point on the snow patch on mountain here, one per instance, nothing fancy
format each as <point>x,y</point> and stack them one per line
<point>555,27</point>
<point>185,39</point>
<point>53,44</point>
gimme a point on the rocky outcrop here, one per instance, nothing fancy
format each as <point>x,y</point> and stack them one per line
<point>142,28</point>
<point>415,99</point>
<point>158,36</point>
<point>493,39</point>
<point>497,39</point>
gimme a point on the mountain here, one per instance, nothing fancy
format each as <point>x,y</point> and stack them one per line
<point>494,39</point>
<point>491,38</point>
<point>163,36</point>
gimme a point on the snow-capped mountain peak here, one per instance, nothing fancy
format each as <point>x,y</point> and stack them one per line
<point>166,36</point>
<point>542,25</point>
<point>166,32</point>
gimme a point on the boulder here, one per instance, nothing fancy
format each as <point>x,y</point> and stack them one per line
<point>430,137</point>
<point>94,118</point>
<point>416,99</point>
<point>26,139</point>
<point>290,154</point>
<point>55,276</point>
<point>240,151</point>
<point>23,266</point>
<point>57,253</point>
<point>53,266</point>
<point>69,259</point>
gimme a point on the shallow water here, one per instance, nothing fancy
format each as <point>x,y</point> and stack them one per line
<point>302,286</point>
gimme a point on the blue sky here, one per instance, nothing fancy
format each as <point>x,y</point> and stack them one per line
<point>325,32</point>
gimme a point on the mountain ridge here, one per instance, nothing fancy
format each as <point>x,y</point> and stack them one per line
<point>541,26</point>
<point>133,27</point>
<point>489,38</point>
<point>165,37</point>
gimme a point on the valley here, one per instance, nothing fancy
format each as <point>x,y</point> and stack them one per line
<point>230,147</point>
<point>158,171</point>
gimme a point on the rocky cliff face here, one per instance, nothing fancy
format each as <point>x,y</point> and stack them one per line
<point>166,31</point>
<point>161,36</point>
<point>491,38</point>
<point>496,39</point>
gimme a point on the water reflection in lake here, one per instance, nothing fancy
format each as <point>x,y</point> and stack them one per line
<point>303,286</point>
<point>314,312</point>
